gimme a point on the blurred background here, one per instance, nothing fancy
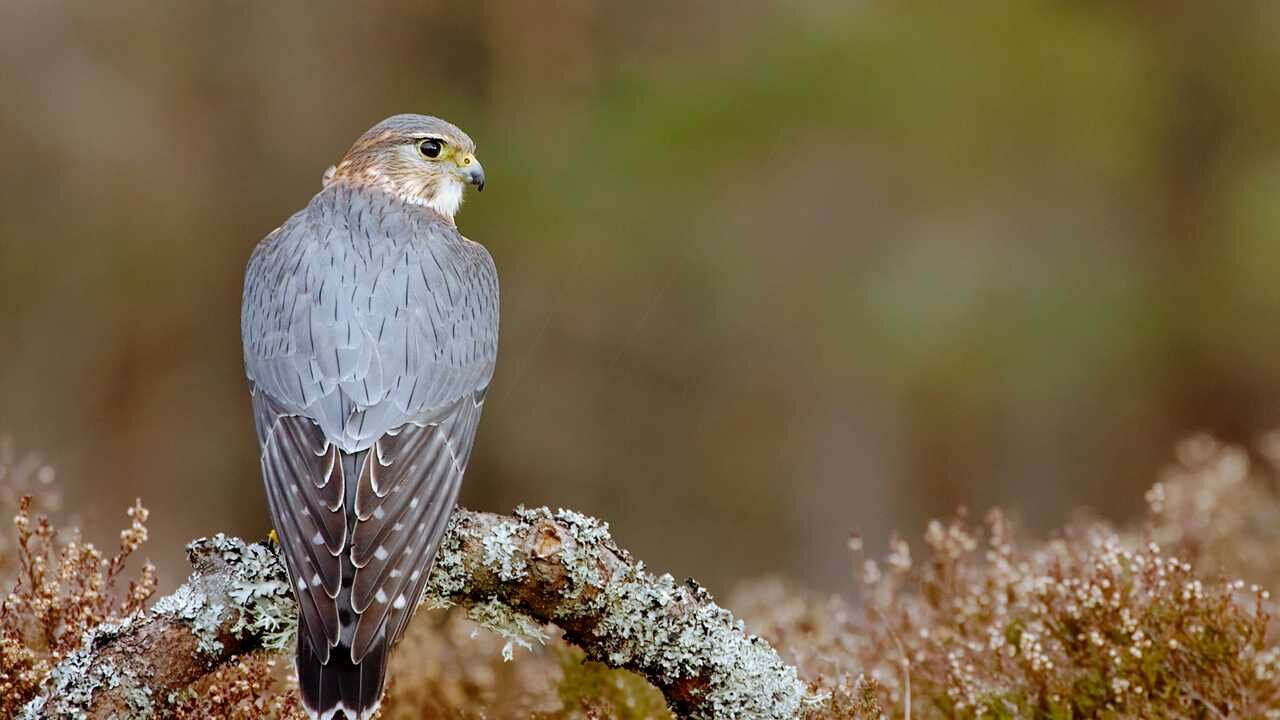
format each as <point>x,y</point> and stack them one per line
<point>771,272</point>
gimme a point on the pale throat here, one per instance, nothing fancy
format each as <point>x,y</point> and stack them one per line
<point>447,197</point>
<point>442,193</point>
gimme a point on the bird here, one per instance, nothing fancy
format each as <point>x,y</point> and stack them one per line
<point>370,332</point>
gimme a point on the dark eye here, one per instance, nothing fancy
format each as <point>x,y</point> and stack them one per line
<point>431,147</point>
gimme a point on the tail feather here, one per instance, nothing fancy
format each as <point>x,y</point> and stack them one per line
<point>341,688</point>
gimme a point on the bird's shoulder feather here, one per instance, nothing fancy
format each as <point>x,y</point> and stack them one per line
<point>364,312</point>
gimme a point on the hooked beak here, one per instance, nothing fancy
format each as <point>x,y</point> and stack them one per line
<point>473,172</point>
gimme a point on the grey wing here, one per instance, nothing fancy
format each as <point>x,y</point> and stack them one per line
<point>403,497</point>
<point>304,481</point>
<point>364,313</point>
<point>370,334</point>
<point>403,501</point>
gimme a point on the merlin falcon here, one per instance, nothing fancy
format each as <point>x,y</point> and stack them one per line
<point>370,328</point>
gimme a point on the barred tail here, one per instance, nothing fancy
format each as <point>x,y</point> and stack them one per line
<point>340,686</point>
<point>359,532</point>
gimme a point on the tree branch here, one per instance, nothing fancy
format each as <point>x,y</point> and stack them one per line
<point>513,573</point>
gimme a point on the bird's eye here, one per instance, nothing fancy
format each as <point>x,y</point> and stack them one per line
<point>431,147</point>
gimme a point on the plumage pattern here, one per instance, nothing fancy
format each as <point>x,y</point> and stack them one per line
<point>370,335</point>
<point>378,298</point>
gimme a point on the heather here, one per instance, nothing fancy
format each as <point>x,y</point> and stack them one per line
<point>1167,617</point>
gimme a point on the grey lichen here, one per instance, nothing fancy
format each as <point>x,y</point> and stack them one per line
<point>255,590</point>
<point>136,694</point>
<point>262,597</point>
<point>71,682</point>
<point>674,633</point>
<point>588,534</point>
<point>677,632</point>
<point>513,626</point>
<point>449,572</point>
<point>513,574</point>
<point>194,608</point>
<point>502,552</point>
<point>238,590</point>
<point>585,528</point>
<point>76,679</point>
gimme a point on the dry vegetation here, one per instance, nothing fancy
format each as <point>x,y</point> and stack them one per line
<point>1166,619</point>
<point>58,586</point>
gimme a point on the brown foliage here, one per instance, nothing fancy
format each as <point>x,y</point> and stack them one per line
<point>1149,621</point>
<point>255,687</point>
<point>59,587</point>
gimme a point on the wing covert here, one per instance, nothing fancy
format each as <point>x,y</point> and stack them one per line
<point>304,482</point>
<point>365,313</point>
<point>403,500</point>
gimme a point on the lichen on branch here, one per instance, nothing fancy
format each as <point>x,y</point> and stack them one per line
<point>513,573</point>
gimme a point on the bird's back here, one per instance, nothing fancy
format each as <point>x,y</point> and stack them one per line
<point>364,312</point>
<point>370,334</point>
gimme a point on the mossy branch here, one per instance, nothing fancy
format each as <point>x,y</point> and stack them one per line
<point>513,573</point>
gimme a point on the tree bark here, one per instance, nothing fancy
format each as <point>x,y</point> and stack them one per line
<point>513,573</point>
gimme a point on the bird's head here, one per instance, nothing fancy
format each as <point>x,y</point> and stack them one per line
<point>421,159</point>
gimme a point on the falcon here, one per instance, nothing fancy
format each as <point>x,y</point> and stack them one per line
<point>370,329</point>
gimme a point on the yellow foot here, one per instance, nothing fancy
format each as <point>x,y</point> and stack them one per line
<point>273,536</point>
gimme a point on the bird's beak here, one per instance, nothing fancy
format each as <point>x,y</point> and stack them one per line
<point>472,171</point>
